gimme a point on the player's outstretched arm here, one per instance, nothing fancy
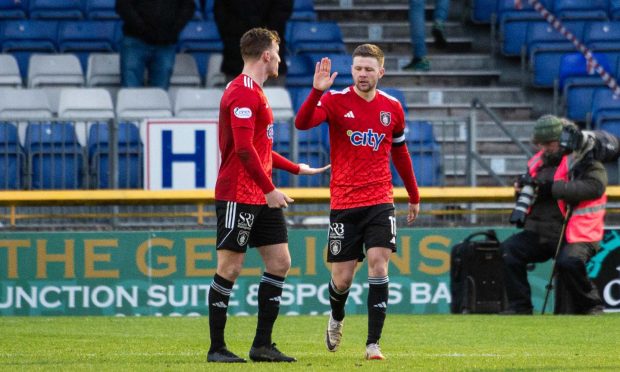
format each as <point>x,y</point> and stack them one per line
<point>307,170</point>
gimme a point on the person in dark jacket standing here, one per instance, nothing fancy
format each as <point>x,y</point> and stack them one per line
<point>567,187</point>
<point>151,30</point>
<point>235,17</point>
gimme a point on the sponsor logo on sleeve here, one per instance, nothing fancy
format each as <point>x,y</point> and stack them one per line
<point>242,112</point>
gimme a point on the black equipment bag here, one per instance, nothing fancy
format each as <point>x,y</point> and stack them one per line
<point>476,275</point>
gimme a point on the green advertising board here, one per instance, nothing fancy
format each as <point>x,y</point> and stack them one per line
<point>169,273</point>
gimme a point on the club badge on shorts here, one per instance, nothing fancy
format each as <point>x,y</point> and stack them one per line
<point>385,118</point>
<point>335,247</point>
<point>242,238</point>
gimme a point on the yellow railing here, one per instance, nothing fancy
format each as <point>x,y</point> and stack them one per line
<point>301,195</point>
<point>14,200</point>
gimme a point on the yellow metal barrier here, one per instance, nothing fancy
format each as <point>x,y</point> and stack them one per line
<point>301,195</point>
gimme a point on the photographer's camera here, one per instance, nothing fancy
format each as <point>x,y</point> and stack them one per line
<point>524,200</point>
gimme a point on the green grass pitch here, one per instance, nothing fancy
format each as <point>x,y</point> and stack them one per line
<point>410,342</point>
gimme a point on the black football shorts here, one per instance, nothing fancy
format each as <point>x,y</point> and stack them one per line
<point>352,230</point>
<point>240,225</point>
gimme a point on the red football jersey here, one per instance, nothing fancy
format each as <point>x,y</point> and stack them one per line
<point>243,105</point>
<point>361,135</point>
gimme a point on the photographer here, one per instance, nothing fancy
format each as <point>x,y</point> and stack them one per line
<point>561,186</point>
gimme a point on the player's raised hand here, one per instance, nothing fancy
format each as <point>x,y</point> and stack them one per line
<point>322,78</point>
<point>306,169</point>
<point>277,199</point>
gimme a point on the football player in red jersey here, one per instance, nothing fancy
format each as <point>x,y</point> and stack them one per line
<point>248,205</point>
<point>366,126</point>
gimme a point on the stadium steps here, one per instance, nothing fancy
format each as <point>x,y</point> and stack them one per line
<point>466,69</point>
<point>367,10</point>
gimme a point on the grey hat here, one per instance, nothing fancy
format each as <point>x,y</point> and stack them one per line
<point>547,129</point>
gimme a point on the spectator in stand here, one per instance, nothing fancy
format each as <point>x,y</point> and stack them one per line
<point>151,30</point>
<point>417,26</point>
<point>235,17</point>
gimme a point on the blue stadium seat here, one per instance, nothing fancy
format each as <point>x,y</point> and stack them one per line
<point>605,107</point>
<point>100,9</point>
<point>12,9</point>
<point>602,36</point>
<point>198,11</point>
<point>300,71</point>
<point>84,37</point>
<point>399,95</point>
<point>11,157</point>
<point>581,9</point>
<point>200,36</point>
<point>303,10</point>
<point>614,9</point>
<point>54,9</point>
<point>55,159</point>
<point>611,125</point>
<point>208,10</point>
<point>513,24</point>
<point>129,156</point>
<point>577,85</point>
<point>425,154</point>
<point>313,37</point>
<point>481,11</point>
<point>298,96</point>
<point>22,38</point>
<point>545,47</point>
<point>312,151</point>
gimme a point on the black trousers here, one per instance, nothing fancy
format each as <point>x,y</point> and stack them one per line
<point>575,292</point>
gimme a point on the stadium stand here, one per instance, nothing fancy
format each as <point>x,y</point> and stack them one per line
<point>185,72</point>
<point>54,9</point>
<point>197,103</point>
<point>12,158</point>
<point>54,70</point>
<point>300,71</point>
<point>545,48</point>
<point>482,10</point>
<point>139,103</point>
<point>280,102</point>
<point>55,158</point>
<point>303,10</point>
<point>581,9</point>
<point>213,75</point>
<point>84,37</point>
<point>577,84</point>
<point>129,149</point>
<point>103,70</point>
<point>24,37</point>
<point>100,9</point>
<point>24,104</point>
<point>85,103</point>
<point>311,37</point>
<point>9,72</point>
<point>13,9</point>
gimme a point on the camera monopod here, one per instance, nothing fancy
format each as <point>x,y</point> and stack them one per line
<point>549,286</point>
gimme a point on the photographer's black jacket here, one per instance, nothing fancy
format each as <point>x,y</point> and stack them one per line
<point>588,181</point>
